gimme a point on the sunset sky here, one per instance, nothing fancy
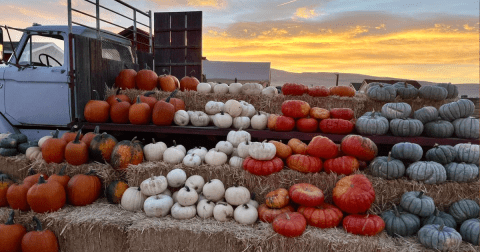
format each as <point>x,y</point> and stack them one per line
<point>434,41</point>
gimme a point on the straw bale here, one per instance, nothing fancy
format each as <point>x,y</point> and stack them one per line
<point>14,166</point>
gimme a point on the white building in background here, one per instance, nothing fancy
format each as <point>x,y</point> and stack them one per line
<point>227,71</point>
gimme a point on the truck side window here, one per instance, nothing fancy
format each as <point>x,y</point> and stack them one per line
<point>43,51</point>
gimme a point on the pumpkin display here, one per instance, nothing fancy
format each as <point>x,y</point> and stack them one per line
<point>342,113</point>
<point>186,196</point>
<point>294,89</point>
<point>267,214</point>
<point>146,79</point>
<point>306,194</point>
<point>132,199</point>
<point>342,91</point>
<point>164,112</point>
<point>470,231</point>
<point>39,240</point>
<point>283,151</point>
<point>461,172</point>
<point>336,126</point>
<point>8,152</point>
<point>304,163</point>
<point>198,118</point>
<point>278,198</point>
<point>381,92</point>
<point>236,162</point>
<point>396,110</point>
<point>71,134</point>
<point>429,172</point>
<point>467,152</point>
<point>125,153</point>
<point>372,125</point>
<point>295,108</point>
<point>400,223</point>
<point>189,83</point>
<point>457,109</point>
<point>177,103</point>
<point>319,113</point>
<point>439,129</point>
<point>201,152</point>
<point>241,122</point>
<point>33,177</point>
<point>112,99</point>
<point>322,216</point>
<point>353,194</point>
<point>195,182</point>
<point>173,155</point>
<point>259,121</point>
<point>101,147</point>
<point>248,109</point>
<point>158,205</point>
<point>322,147</point>
<point>341,165</point>
<point>307,125</point>
<point>154,151</point>
<point>168,83</point>
<point>262,168</point>
<point>126,79</point>
<point>467,128</point>
<point>222,211</point>
<point>387,167</point>
<point>405,90</point>
<point>96,110</point>
<point>192,160</point>
<point>53,150</point>
<point>237,195</point>
<point>16,196</point>
<point>119,111</point>
<point>148,99</point>
<point>140,113</point>
<point>434,93</point>
<point>245,214</point>
<point>234,88</point>
<point>452,89</point>
<point>76,152</point>
<point>289,224</point>
<point>406,127</point>
<point>214,190</point>
<point>439,237</point>
<point>76,193</point>
<point>12,234</point>
<point>46,197</point>
<point>61,177</point>
<point>280,123</point>
<point>440,218</point>
<point>115,191</point>
<point>426,114</point>
<point>88,137</point>
<point>363,224</point>
<point>297,146</point>
<point>442,154</point>
<point>417,203</point>
<point>243,149</point>
<point>180,212</point>
<point>318,91</point>
<point>262,150</point>
<point>463,210</point>
<point>237,137</point>
<point>360,147</point>
<point>204,88</point>
<point>176,178</point>
<point>405,151</point>
<point>22,148</point>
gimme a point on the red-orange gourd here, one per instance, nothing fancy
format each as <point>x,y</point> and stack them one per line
<point>262,167</point>
<point>112,99</point>
<point>119,111</point>
<point>11,235</point>
<point>83,189</point>
<point>87,138</point>
<point>140,113</point>
<point>189,83</point>
<point>319,113</point>
<point>341,165</point>
<point>298,147</point>
<point>318,91</point>
<point>342,91</point>
<point>46,197</point>
<point>342,113</point>
<point>336,126</point>
<point>294,89</point>
<point>295,108</point>
<point>306,194</point>
<point>146,79</point>
<point>148,99</point>
<point>277,199</point>
<point>322,147</point>
<point>126,79</point>
<point>304,163</point>
<point>125,153</point>
<point>76,152</point>
<point>307,125</point>
<point>17,197</point>
<point>322,216</point>
<point>53,149</point>
<point>61,177</point>
<point>354,194</point>
<point>267,214</point>
<point>39,240</point>
<point>4,185</point>
<point>283,151</point>
<point>96,111</point>
<point>33,177</point>
<point>280,123</point>
<point>178,104</point>
<point>164,111</point>
<point>360,147</point>
<point>363,224</point>
<point>168,83</point>
<point>290,224</point>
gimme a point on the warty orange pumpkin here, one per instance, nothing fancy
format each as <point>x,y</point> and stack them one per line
<point>127,152</point>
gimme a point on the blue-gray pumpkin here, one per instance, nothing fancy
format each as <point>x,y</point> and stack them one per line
<point>406,127</point>
<point>373,112</point>
<point>405,151</point>
<point>434,93</point>
<point>452,90</point>
<point>442,154</point>
<point>400,223</point>
<point>372,125</point>
<point>463,210</point>
<point>387,167</point>
<point>426,114</point>
<point>462,172</point>
<point>467,153</point>
<point>457,109</point>
<point>440,218</point>
<point>467,128</point>
<point>427,171</point>
<point>439,237</point>
<point>396,110</point>
<point>470,231</point>
<point>406,91</point>
<point>439,129</point>
<point>382,92</point>
<point>417,203</point>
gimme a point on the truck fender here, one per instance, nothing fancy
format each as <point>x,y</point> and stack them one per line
<point>6,126</point>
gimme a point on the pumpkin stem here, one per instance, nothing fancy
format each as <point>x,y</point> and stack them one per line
<point>389,156</point>
<point>118,91</point>
<point>166,70</point>
<point>288,216</point>
<point>97,129</point>
<point>138,99</point>
<point>77,137</point>
<point>118,100</point>
<point>245,206</point>
<point>208,202</point>
<point>420,195</point>
<point>134,139</point>
<point>252,196</point>
<point>405,84</point>
<point>139,189</point>
<point>396,210</point>
<point>91,173</point>
<point>436,145</point>
<point>436,212</point>
<point>62,171</point>
<point>41,180</point>
<point>55,134</point>
<point>10,218</point>
<point>174,143</point>
<point>193,71</point>
<point>39,224</point>
<point>149,93</point>
<point>187,188</point>
<point>96,95</point>
<point>171,95</point>
<point>153,140</point>
<point>31,172</point>
<point>441,227</point>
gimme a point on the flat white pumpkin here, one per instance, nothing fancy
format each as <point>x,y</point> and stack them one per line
<point>236,137</point>
<point>192,160</point>
<point>223,120</point>
<point>180,212</point>
<point>237,195</point>
<point>166,192</point>
<point>236,162</point>
<point>199,119</point>
<point>245,214</point>
<point>176,178</point>
<point>222,212</point>
<point>225,147</point>
<point>241,122</point>
<point>34,153</point>
<point>201,152</point>
<point>213,107</point>
<point>158,205</point>
<point>173,155</point>
<point>270,91</point>
<point>181,118</point>
<point>180,147</point>
<point>248,109</point>
<point>252,89</point>
<point>235,152</point>
<point>204,88</point>
<point>187,196</point>
<point>205,208</point>
<point>235,88</point>
<point>243,149</point>
<point>213,84</point>
<point>132,199</point>
<point>214,157</point>
<point>233,108</point>
<point>154,185</point>
<point>259,121</point>
<point>42,140</point>
<point>214,190</point>
<point>262,150</point>
<point>221,89</point>
<point>154,151</point>
<point>196,182</point>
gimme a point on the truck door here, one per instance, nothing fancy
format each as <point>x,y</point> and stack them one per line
<point>38,94</point>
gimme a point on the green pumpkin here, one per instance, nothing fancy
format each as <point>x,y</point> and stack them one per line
<point>8,152</point>
<point>440,218</point>
<point>115,191</point>
<point>439,129</point>
<point>21,138</point>
<point>467,153</point>
<point>406,91</point>
<point>381,92</point>
<point>428,172</point>
<point>457,109</point>
<point>470,231</point>
<point>467,128</point>
<point>405,151</point>
<point>442,154</point>
<point>439,237</point>
<point>372,125</point>
<point>434,93</point>
<point>8,143</point>
<point>396,110</point>
<point>22,148</point>
<point>406,127</point>
<point>463,210</point>
<point>426,114</point>
<point>387,167</point>
<point>452,90</point>
<point>417,203</point>
<point>400,223</point>
<point>462,172</point>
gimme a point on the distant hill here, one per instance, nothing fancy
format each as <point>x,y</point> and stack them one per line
<point>279,77</point>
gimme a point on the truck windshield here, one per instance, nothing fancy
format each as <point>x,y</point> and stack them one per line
<point>43,51</point>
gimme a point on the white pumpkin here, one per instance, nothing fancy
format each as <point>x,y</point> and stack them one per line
<point>176,178</point>
<point>252,89</point>
<point>259,121</point>
<point>154,185</point>
<point>222,211</point>
<point>183,212</point>
<point>214,157</point>
<point>195,182</point>
<point>236,162</point>
<point>213,84</point>
<point>192,160</point>
<point>42,140</point>
<point>204,88</point>
<point>243,149</point>
<point>180,147</point>
<point>237,195</point>
<point>213,107</point>
<point>205,208</point>
<point>221,89</point>
<point>132,199</point>
<point>262,151</point>
<point>173,155</point>
<point>158,205</point>
<point>241,122</point>
<point>235,88</point>
<point>201,152</point>
<point>248,109</point>
<point>225,147</point>
<point>187,196</point>
<point>166,192</point>
<point>174,197</point>
<point>214,190</point>
<point>181,118</point>
<point>245,214</point>
<point>34,153</point>
<point>154,151</point>
<point>252,201</point>
<point>234,152</point>
<point>223,120</point>
<point>270,91</point>
<point>199,119</point>
<point>201,197</point>
<point>233,108</point>
<point>236,137</point>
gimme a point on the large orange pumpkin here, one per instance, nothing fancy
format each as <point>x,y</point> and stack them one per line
<point>295,108</point>
<point>262,167</point>
<point>39,240</point>
<point>342,113</point>
<point>322,147</point>
<point>280,123</point>
<point>127,152</point>
<point>76,152</point>
<point>119,111</point>
<point>319,113</point>
<point>12,234</point>
<point>354,194</point>
<point>139,113</point>
<point>87,138</point>
<point>298,147</point>
<point>146,79</point>
<point>46,197</point>
<point>164,111</point>
<point>70,135</point>
<point>342,91</point>
<point>360,147</point>
<point>61,177</point>
<point>168,83</point>
<point>96,110</point>
<point>148,99</point>
<point>304,163</point>
<point>293,89</point>
<point>277,198</point>
<point>189,83</point>
<point>283,151</point>
<point>341,165</point>
<point>267,214</point>
<point>83,189</point>
<point>307,125</point>
<point>336,126</point>
<point>178,104</point>
<point>53,149</point>
<point>112,99</point>
<point>318,91</point>
<point>101,147</point>
<point>126,79</point>
<point>17,196</point>
<point>363,224</point>
<point>322,216</point>
<point>33,177</point>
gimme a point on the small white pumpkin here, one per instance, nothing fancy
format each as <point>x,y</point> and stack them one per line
<point>237,195</point>
<point>173,155</point>
<point>233,108</point>
<point>236,137</point>
<point>195,182</point>
<point>223,120</point>
<point>176,178</point>
<point>221,89</point>
<point>234,152</point>
<point>222,211</point>
<point>187,196</point>
<point>214,190</point>
<point>252,89</point>
<point>192,160</point>
<point>201,197</point>
<point>236,162</point>
<point>252,201</point>
<point>158,205</point>
<point>42,140</point>
<point>204,88</point>
<point>34,153</point>
<point>180,147</point>
<point>154,185</point>
<point>262,151</point>
<point>201,152</point>
<point>213,107</point>
<point>248,109</point>
<point>270,91</point>
<point>199,119</point>
<point>181,118</point>
<point>241,122</point>
<point>214,157</point>
<point>225,147</point>
<point>245,214</point>
<point>235,88</point>
<point>183,212</point>
<point>154,151</point>
<point>133,199</point>
<point>213,84</point>
<point>205,208</point>
<point>243,149</point>
<point>174,197</point>
<point>166,192</point>
<point>259,121</point>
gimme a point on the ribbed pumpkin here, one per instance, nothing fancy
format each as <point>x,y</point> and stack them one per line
<point>306,194</point>
<point>307,125</point>
<point>426,114</point>
<point>452,89</point>
<point>147,98</point>
<point>125,153</point>
<point>295,108</point>
<point>87,138</point>
<point>280,123</point>
<point>442,154</point>
<point>289,224</point>
<point>341,165</point>
<point>387,167</point>
<point>440,218</point>
<point>53,149</point>
<point>468,153</point>
<point>17,196</point>
<point>146,79</point>
<point>405,151</point>
<point>400,223</point>
<point>434,93</point>
<point>467,128</point>
<point>76,152</point>
<point>360,147</point>
<point>470,231</point>
<point>140,113</point>
<point>381,92</point>
<point>363,224</point>
<point>39,240</point>
<point>297,146</point>
<point>463,210</point>
<point>342,91</point>
<point>462,172</point>
<point>457,109</point>
<point>164,112</point>
<point>72,134</point>
<point>126,79</point>
<point>406,127</point>
<point>61,177</point>
<point>342,113</point>
<point>84,189</point>
<point>322,216</point>
<point>262,168</point>
<point>189,83</point>
<point>267,214</point>
<point>112,99</point>
<point>46,197</point>
<point>12,234</point>
<point>96,110</point>
<point>119,111</point>
<point>428,172</point>
<point>354,194</point>
<point>294,89</point>
<point>278,198</point>
<point>168,83</point>
<point>417,203</point>
<point>439,129</point>
<point>322,147</point>
<point>439,237</point>
<point>101,147</point>
<point>336,126</point>
<point>319,113</point>
<point>406,91</point>
<point>318,91</point>
<point>304,163</point>
<point>115,190</point>
<point>373,124</point>
<point>283,150</point>
<point>396,110</point>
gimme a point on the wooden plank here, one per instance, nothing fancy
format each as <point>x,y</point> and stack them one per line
<point>194,55</point>
<point>194,39</point>
<point>177,20</point>
<point>82,75</point>
<point>161,21</point>
<point>145,57</point>
<point>112,68</point>
<point>97,68</point>
<point>162,39</point>
<point>197,71</point>
<point>178,71</point>
<point>194,20</point>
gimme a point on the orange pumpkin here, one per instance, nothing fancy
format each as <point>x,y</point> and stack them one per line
<point>341,165</point>
<point>277,199</point>
<point>354,194</point>
<point>318,91</point>
<point>164,111</point>
<point>126,79</point>
<point>293,89</point>
<point>336,126</point>
<point>96,111</point>
<point>148,99</point>
<point>17,197</point>
<point>322,147</point>
<point>342,91</point>
<point>115,191</point>
<point>307,125</point>
<point>119,111</point>
<point>295,108</point>
<point>178,104</point>
<point>304,163</point>
<point>298,147</point>
<point>101,147</point>
<point>360,147</point>
<point>189,83</point>
<point>289,224</point>
<point>262,167</point>
<point>139,113</point>
<point>53,149</point>
<point>168,82</point>
<point>319,113</point>
<point>363,224</point>
<point>267,214</point>
<point>39,240</point>
<point>280,123</point>
<point>4,185</point>
<point>306,194</point>
<point>146,79</point>
<point>112,99</point>
<point>322,216</point>
<point>127,152</point>
<point>46,197</point>
<point>87,138</point>
<point>283,151</point>
<point>83,189</point>
<point>70,135</point>
<point>76,152</point>
<point>61,177</point>
<point>33,177</point>
<point>12,234</point>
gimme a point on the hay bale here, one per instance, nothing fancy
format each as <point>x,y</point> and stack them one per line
<point>15,166</point>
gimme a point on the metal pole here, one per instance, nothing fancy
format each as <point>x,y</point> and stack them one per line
<point>150,33</point>
<point>135,34</point>
<point>97,7</point>
<point>69,7</point>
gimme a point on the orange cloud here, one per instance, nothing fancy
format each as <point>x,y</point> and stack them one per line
<point>207,3</point>
<point>305,12</point>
